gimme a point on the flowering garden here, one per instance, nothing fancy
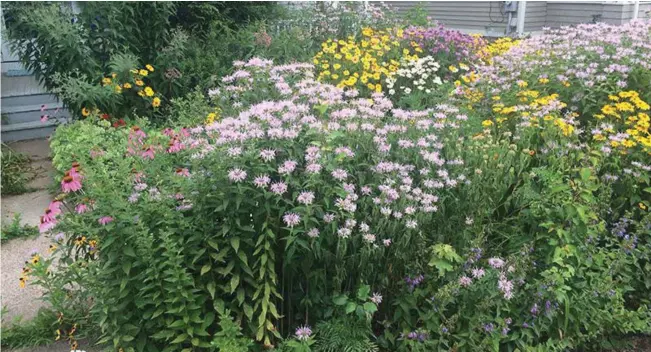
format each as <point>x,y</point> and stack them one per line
<point>404,188</point>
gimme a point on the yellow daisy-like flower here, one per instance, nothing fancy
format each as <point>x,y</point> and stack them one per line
<point>85,112</point>
<point>453,68</point>
<point>642,206</point>
<point>156,102</point>
<point>139,82</point>
<point>487,123</point>
<point>126,85</point>
<point>150,68</point>
<point>106,81</point>
<point>149,92</point>
<point>141,93</point>
<point>143,73</point>
<point>118,89</point>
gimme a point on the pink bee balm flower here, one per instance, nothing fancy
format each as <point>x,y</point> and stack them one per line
<point>465,281</point>
<point>70,184</point>
<point>339,174</point>
<point>387,242</point>
<point>313,233</point>
<point>81,208</point>
<point>376,298</point>
<point>262,181</point>
<point>105,220</point>
<point>279,187</point>
<point>305,198</point>
<point>236,175</point>
<point>496,262</point>
<point>303,333</point>
<point>291,219</point>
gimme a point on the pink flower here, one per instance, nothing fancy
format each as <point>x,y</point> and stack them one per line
<point>105,220</point>
<point>279,187</point>
<point>496,262</point>
<point>305,198</point>
<point>46,225</point>
<point>313,233</point>
<point>175,146</point>
<point>237,175</point>
<point>81,208</point>
<point>268,154</point>
<point>148,153</point>
<point>287,168</point>
<point>183,172</point>
<point>478,273</point>
<point>376,298</point>
<point>291,219</point>
<point>387,242</point>
<point>339,174</point>
<point>44,118</point>
<point>465,281</point>
<point>70,184</point>
<point>262,181</point>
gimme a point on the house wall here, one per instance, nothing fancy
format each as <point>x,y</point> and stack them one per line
<point>535,16</point>
<point>472,16</point>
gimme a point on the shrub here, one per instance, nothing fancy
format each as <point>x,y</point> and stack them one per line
<point>486,221</point>
<point>16,230</point>
<point>15,168</point>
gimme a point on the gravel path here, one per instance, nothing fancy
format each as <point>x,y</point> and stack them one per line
<point>24,302</point>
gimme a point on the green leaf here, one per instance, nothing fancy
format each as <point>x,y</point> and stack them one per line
<point>585,174</point>
<point>205,269</point>
<point>370,307</point>
<point>350,307</point>
<point>179,339</point>
<point>363,292</point>
<point>340,300</point>
<point>235,281</point>
<point>211,288</point>
<point>235,243</point>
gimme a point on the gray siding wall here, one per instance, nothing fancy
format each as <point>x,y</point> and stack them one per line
<point>472,16</point>
<point>569,13</point>
<point>535,16</point>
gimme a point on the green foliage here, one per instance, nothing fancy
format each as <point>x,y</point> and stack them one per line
<point>37,332</point>
<point>17,230</point>
<point>348,333</point>
<point>15,168</point>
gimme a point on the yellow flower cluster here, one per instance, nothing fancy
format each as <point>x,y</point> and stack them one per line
<point>498,47</point>
<point>213,116</point>
<point>363,64</point>
<point>630,114</point>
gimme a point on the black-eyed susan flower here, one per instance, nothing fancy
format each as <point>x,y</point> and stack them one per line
<point>85,112</point>
<point>149,67</point>
<point>156,102</point>
<point>143,73</point>
<point>149,92</point>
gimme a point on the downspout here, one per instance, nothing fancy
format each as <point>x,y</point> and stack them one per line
<point>522,9</point>
<point>636,9</point>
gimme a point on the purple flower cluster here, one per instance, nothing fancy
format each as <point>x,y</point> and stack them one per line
<point>445,43</point>
<point>413,282</point>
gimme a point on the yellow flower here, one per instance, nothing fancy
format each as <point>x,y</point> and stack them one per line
<point>85,112</point>
<point>543,80</point>
<point>487,123</point>
<point>126,85</point>
<point>149,92</point>
<point>642,206</point>
<point>335,76</point>
<point>106,81</point>
<point>118,89</point>
<point>453,69</point>
<point>156,102</point>
<point>141,93</point>
<point>150,68</point>
<point>143,73</point>
<point>464,67</point>
<point>139,82</point>
<point>134,71</point>
<point>336,66</point>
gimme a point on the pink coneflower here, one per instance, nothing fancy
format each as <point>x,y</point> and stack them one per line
<point>262,181</point>
<point>339,174</point>
<point>237,175</point>
<point>279,187</point>
<point>175,146</point>
<point>303,333</point>
<point>46,225</point>
<point>291,219</point>
<point>81,208</point>
<point>70,184</point>
<point>105,220</point>
<point>305,198</point>
<point>465,281</point>
<point>183,172</point>
<point>148,153</point>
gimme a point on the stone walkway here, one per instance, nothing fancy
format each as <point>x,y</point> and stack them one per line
<point>25,302</point>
